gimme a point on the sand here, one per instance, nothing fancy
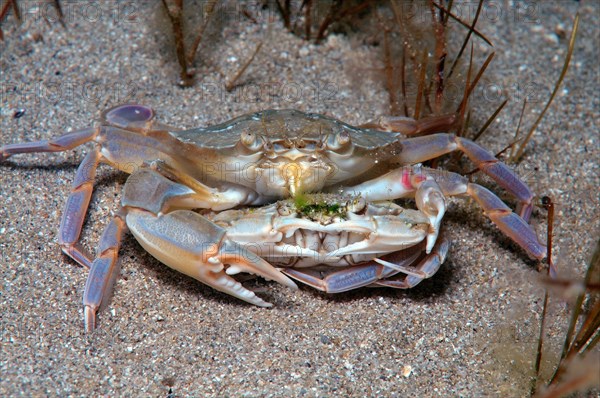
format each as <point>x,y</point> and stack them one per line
<point>470,330</point>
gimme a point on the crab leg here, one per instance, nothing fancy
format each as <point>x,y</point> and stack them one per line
<point>192,245</point>
<point>225,197</point>
<point>81,191</point>
<point>60,144</point>
<point>124,149</point>
<point>378,272</point>
<point>420,149</point>
<point>425,269</point>
<point>406,182</point>
<point>76,208</point>
<point>103,272</point>
<point>410,126</point>
<point>362,275</point>
<point>185,240</point>
<point>154,209</point>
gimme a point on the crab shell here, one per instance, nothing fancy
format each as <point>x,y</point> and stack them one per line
<point>279,153</point>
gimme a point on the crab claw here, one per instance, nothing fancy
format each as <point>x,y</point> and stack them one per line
<point>190,244</point>
<point>389,234</point>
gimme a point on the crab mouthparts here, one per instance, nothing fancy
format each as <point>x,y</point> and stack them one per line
<point>292,173</point>
<point>302,177</point>
<point>286,178</point>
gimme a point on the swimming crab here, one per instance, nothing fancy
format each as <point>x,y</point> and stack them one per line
<point>354,237</point>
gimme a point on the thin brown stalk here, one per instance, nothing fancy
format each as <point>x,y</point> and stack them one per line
<point>17,11</point>
<point>232,83</point>
<point>174,14</point>
<point>329,19</point>
<point>440,54</point>
<point>538,356</point>
<point>426,95</point>
<point>459,155</point>
<point>549,205</point>
<point>389,73</point>
<point>447,12</point>
<point>403,80</point>
<point>466,25</point>
<point>466,125</point>
<point>285,11</point>
<point>4,11</point>
<point>569,344</point>
<point>399,20</point>
<point>465,100</point>
<point>594,263</point>
<point>516,139</point>
<point>490,120</point>
<point>421,85</point>
<point>464,45</point>
<point>335,15</point>
<point>572,385</point>
<point>476,80</point>
<point>556,87</point>
<point>396,12</point>
<point>572,284</point>
<point>307,18</point>
<point>59,11</point>
<point>248,14</point>
<point>588,329</point>
<point>593,341</point>
<point>210,8</point>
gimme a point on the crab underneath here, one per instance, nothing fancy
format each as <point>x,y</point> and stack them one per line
<point>351,238</point>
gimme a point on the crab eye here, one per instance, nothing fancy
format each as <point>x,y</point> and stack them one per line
<point>339,140</point>
<point>248,138</point>
<point>343,138</point>
<point>356,205</point>
<point>284,209</point>
<point>126,115</point>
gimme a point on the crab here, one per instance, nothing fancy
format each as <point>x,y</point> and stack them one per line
<point>336,243</point>
<point>262,159</point>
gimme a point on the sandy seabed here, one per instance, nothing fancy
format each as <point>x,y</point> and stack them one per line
<point>470,330</point>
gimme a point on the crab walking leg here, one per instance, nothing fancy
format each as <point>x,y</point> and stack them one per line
<point>425,269</point>
<point>510,223</point>
<point>81,192</point>
<point>359,276</point>
<point>59,144</point>
<point>126,116</point>
<point>124,149</point>
<point>420,149</point>
<point>104,271</point>
<point>78,201</point>
<point>107,150</point>
<point>410,126</point>
<point>76,208</point>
